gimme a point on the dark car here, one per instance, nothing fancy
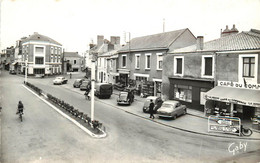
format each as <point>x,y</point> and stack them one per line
<point>77,83</point>
<point>85,84</point>
<point>157,103</point>
<point>13,72</point>
<point>103,90</point>
<point>125,98</point>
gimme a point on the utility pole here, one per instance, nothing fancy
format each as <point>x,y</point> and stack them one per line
<point>93,67</point>
<point>25,75</point>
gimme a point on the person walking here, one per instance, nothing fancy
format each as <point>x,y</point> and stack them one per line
<point>151,107</point>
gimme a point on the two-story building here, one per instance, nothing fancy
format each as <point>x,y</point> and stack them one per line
<point>73,62</point>
<point>140,60</point>
<point>42,55</point>
<point>221,75</point>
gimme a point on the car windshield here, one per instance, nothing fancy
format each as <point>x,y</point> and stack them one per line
<point>84,83</point>
<point>59,78</point>
<point>170,106</point>
<point>77,80</point>
<point>147,102</point>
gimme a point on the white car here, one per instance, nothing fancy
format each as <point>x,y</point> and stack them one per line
<point>60,80</point>
<point>171,109</point>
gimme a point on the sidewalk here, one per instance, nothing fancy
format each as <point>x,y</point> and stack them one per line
<point>194,121</point>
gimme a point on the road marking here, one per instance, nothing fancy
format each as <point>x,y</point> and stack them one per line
<point>66,116</point>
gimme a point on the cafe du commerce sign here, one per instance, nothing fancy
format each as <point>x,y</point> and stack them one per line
<point>239,85</point>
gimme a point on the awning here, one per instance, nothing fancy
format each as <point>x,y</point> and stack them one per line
<point>239,96</point>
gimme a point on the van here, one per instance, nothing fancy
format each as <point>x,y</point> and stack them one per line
<point>103,90</point>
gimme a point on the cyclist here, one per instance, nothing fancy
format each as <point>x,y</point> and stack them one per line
<point>20,107</point>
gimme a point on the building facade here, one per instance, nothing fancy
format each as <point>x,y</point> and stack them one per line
<point>73,62</point>
<point>140,61</point>
<point>42,55</point>
<point>218,77</point>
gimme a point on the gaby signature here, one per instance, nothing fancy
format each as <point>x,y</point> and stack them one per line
<point>235,148</point>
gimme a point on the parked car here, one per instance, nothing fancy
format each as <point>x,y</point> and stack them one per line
<point>85,84</point>
<point>103,90</point>
<point>157,103</point>
<point>125,98</point>
<point>13,72</point>
<point>60,80</point>
<point>171,109</point>
<point>77,83</point>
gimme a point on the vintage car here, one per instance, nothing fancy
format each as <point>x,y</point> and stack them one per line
<point>77,83</point>
<point>85,84</point>
<point>103,90</point>
<point>171,109</point>
<point>60,80</point>
<point>13,72</point>
<point>125,98</point>
<point>157,103</point>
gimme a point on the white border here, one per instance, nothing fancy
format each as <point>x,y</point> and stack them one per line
<point>157,60</point>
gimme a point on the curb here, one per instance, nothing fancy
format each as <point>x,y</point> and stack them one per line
<point>67,117</point>
<point>181,129</point>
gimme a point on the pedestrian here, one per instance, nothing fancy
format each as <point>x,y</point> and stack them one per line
<point>151,107</point>
<point>70,75</point>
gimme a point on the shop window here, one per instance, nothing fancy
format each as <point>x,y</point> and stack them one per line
<point>178,65</point>
<point>75,61</point>
<point>123,60</point>
<point>248,67</point>
<point>137,61</point>
<point>39,60</point>
<point>159,61</point>
<point>183,92</point>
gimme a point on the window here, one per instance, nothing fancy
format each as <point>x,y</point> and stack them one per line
<point>39,49</point>
<point>248,67</point>
<point>178,65</point>
<point>55,51</point>
<point>207,66</point>
<point>159,61</point>
<point>75,61</point>
<point>51,50</point>
<point>183,92</point>
<point>137,61</point>
<point>51,58</point>
<point>39,60</point>
<point>147,61</point>
<point>123,60</point>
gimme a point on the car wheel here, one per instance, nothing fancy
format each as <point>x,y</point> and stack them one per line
<point>185,111</point>
<point>175,116</point>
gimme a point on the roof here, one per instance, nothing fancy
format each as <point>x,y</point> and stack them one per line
<point>153,42</point>
<point>108,54</point>
<point>172,102</point>
<point>37,37</point>
<point>71,54</point>
<point>241,41</point>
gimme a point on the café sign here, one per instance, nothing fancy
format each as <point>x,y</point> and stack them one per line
<point>239,85</point>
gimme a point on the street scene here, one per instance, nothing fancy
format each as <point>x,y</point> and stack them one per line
<point>129,84</point>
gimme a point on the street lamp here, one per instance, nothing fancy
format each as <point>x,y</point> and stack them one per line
<point>93,67</point>
<point>25,75</point>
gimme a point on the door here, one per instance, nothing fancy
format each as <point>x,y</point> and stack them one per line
<point>248,112</point>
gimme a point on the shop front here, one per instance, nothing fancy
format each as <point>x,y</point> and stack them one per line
<point>233,102</point>
<point>190,91</point>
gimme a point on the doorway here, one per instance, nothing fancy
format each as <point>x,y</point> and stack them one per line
<point>248,112</point>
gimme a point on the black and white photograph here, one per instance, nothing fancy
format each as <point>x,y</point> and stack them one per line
<point>129,81</point>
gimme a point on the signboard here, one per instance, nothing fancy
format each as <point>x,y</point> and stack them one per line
<point>239,85</point>
<point>229,125</point>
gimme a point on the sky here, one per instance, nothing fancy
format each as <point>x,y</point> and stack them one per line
<point>76,23</point>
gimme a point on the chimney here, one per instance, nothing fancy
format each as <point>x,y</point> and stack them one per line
<point>115,40</point>
<point>100,40</point>
<point>118,40</point>
<point>200,42</point>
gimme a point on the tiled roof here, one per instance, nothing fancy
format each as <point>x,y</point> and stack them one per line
<point>71,54</point>
<point>241,41</point>
<point>37,37</point>
<point>108,54</point>
<point>151,42</point>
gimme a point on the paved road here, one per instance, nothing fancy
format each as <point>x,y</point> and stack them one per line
<point>45,135</point>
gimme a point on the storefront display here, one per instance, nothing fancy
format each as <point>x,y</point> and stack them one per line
<point>183,92</point>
